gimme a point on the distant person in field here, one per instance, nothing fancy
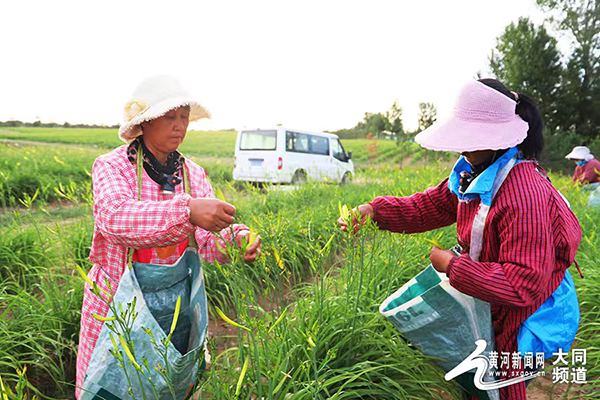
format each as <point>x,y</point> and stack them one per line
<point>587,170</point>
<point>517,232</point>
<point>156,228</point>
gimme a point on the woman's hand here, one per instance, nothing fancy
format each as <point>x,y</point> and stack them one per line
<point>364,210</point>
<point>211,214</point>
<point>440,259</point>
<point>253,249</point>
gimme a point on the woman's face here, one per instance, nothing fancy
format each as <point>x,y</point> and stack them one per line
<point>478,157</point>
<point>165,134</point>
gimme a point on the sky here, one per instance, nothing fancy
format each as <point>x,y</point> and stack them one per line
<point>314,65</point>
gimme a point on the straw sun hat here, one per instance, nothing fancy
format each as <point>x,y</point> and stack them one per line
<point>483,119</point>
<point>153,98</point>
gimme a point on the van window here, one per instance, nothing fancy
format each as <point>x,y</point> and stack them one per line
<point>304,143</point>
<point>337,150</point>
<point>296,142</point>
<point>258,140</point>
<point>319,145</point>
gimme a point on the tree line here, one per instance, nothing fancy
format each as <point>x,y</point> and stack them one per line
<point>39,124</point>
<point>388,125</point>
<point>527,59</point>
<point>565,85</point>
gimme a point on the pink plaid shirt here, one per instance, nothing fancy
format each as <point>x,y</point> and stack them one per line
<point>531,237</point>
<point>122,222</point>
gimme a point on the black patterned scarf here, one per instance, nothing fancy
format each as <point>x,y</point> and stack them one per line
<point>168,176</point>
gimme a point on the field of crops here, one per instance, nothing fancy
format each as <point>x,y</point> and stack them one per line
<point>218,143</point>
<point>309,304</point>
<point>210,144</point>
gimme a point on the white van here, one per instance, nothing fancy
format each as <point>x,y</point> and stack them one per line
<point>281,155</point>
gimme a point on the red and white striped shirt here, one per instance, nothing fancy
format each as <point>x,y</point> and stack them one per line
<point>588,173</point>
<point>122,222</point>
<point>530,238</point>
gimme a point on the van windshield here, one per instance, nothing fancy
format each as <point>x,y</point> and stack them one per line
<point>258,140</point>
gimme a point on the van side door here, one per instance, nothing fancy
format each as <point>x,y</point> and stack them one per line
<point>296,154</point>
<point>321,161</point>
<point>339,159</point>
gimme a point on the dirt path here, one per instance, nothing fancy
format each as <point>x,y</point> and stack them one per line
<point>40,219</point>
<point>542,388</point>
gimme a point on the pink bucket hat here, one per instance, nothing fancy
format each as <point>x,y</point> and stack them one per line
<point>483,119</point>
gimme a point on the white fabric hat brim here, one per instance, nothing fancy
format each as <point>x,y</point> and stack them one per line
<point>131,129</point>
<point>460,135</point>
<point>579,154</point>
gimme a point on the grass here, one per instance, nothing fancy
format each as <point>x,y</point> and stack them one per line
<point>40,301</point>
<point>331,341</point>
<point>56,171</point>
<point>30,169</point>
<point>213,143</point>
<point>38,158</point>
<point>60,212</point>
<point>297,238</point>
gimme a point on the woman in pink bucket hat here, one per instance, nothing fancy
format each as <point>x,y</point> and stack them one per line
<point>517,232</point>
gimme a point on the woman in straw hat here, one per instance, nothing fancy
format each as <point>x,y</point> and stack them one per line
<point>517,232</point>
<point>587,169</point>
<point>151,213</point>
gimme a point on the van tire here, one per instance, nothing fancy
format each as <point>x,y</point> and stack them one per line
<point>347,178</point>
<point>299,177</point>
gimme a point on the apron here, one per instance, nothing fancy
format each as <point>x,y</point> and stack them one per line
<point>554,324</point>
<point>155,288</point>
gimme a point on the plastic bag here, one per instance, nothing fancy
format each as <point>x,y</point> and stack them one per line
<point>442,321</point>
<point>156,288</point>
